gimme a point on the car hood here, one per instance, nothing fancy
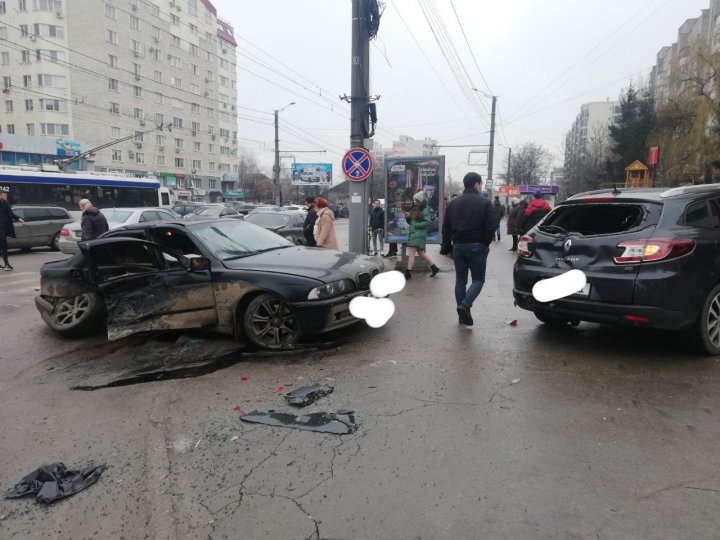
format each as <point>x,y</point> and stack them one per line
<point>325,265</point>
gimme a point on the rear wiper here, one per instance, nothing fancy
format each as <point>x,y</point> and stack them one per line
<point>552,228</point>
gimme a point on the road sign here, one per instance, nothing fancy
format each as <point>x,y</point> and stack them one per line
<point>357,164</point>
<point>488,184</point>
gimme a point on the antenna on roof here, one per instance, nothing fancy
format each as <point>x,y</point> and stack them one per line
<point>615,190</point>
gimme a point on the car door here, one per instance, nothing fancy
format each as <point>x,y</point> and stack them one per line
<point>146,287</point>
<point>23,237</point>
<point>42,225</point>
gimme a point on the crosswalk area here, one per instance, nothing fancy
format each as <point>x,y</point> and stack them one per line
<point>18,288</point>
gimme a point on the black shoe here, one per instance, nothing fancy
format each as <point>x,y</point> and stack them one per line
<point>434,270</point>
<point>512,249</point>
<point>464,315</point>
<point>408,274</point>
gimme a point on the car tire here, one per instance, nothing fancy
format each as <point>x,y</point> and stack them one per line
<point>705,333</point>
<point>550,319</point>
<point>77,316</point>
<point>270,322</point>
<point>55,242</point>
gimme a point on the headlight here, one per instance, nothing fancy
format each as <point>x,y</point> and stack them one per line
<point>335,288</point>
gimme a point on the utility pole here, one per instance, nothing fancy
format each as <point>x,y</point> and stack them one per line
<point>276,167</point>
<point>509,170</point>
<point>491,152</point>
<point>359,120</point>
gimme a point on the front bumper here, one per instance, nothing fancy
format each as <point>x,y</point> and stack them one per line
<point>581,309</point>
<point>320,316</point>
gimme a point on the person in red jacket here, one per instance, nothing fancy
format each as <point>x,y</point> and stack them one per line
<point>536,210</point>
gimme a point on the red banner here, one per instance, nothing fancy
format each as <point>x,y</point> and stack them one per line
<point>654,156</point>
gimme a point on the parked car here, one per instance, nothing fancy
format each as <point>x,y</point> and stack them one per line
<point>224,276</point>
<point>288,224</point>
<point>650,257</point>
<point>242,207</point>
<point>266,208</point>
<point>294,207</point>
<point>183,208</point>
<point>214,211</point>
<point>116,217</point>
<point>41,227</point>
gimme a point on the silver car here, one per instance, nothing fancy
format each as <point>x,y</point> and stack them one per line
<point>40,227</point>
<point>116,217</point>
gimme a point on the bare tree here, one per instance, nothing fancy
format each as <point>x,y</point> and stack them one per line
<point>529,163</point>
<point>256,185</point>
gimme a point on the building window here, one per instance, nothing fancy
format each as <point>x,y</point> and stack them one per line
<point>137,48</point>
<point>52,6</point>
<point>157,75</point>
<point>114,132</point>
<point>211,112</point>
<point>176,82</point>
<point>175,41</point>
<point>156,54</point>
<point>4,58</point>
<point>2,8</point>
<point>49,30</point>
<point>160,160</point>
<point>159,119</point>
<point>7,82</point>
<point>197,164</point>
<point>117,155</point>
<point>11,129</point>
<point>114,107</point>
<point>158,97</point>
<point>111,36</point>
<point>174,20</point>
<point>30,129</point>
<point>176,61</point>
<point>43,55</point>
<point>194,50</point>
<point>155,10</point>
<point>137,91</point>
<point>160,139</point>
<point>57,105</point>
<point>179,162</point>
<point>26,57</point>
<point>193,69</point>
<point>55,129</point>
<point>136,70</point>
<point>179,143</point>
<point>110,11</point>
<point>195,108</point>
<point>177,122</point>
<point>3,32</point>
<point>138,113</point>
<point>195,126</point>
<point>196,146</point>
<point>112,60</point>
<point>114,84</point>
<point>28,104</point>
<point>178,103</point>
<point>8,106</point>
<point>139,157</point>
<point>134,22</point>
<point>211,148</point>
<point>155,32</point>
<point>53,81</point>
<point>195,89</point>
<point>211,166</point>
<point>212,183</point>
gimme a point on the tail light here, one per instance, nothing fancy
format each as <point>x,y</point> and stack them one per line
<point>523,247</point>
<point>64,232</point>
<point>654,249</point>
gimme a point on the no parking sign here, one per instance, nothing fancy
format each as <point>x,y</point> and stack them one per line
<point>357,164</point>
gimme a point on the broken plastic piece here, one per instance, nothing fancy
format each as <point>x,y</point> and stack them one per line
<point>237,408</point>
<point>244,378</point>
<point>339,423</point>
<point>279,389</point>
<point>307,394</point>
<point>512,323</point>
<point>53,482</point>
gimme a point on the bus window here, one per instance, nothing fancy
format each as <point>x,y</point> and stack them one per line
<point>164,199</point>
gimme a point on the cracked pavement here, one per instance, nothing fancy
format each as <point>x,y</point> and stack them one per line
<point>608,433</point>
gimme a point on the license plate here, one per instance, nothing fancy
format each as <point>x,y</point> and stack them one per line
<point>585,291</point>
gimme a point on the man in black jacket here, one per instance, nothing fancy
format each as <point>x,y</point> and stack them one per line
<point>92,223</point>
<point>7,216</point>
<point>309,225</point>
<point>377,225</point>
<point>468,231</point>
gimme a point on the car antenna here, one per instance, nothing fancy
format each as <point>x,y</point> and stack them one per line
<point>615,190</point>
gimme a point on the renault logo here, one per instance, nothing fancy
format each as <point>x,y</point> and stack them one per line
<point>567,245</point>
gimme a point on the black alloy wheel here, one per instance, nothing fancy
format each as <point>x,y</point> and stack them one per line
<point>270,322</point>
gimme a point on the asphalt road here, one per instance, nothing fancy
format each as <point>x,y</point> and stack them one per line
<point>498,431</point>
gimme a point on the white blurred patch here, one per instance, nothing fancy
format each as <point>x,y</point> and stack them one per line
<point>560,286</point>
<point>375,309</point>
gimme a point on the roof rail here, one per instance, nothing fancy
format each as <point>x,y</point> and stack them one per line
<point>684,190</point>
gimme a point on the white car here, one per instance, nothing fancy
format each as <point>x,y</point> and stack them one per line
<point>116,217</point>
<point>292,207</point>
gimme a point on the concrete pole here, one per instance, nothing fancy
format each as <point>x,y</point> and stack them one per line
<point>491,152</point>
<point>359,121</point>
<point>276,167</point>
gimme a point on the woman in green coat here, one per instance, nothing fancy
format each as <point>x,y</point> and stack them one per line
<point>419,219</point>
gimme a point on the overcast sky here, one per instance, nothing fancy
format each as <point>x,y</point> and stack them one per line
<point>542,58</point>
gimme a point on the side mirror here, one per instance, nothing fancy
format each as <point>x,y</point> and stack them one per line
<point>198,264</point>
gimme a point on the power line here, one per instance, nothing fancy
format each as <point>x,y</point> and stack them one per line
<point>452,3</point>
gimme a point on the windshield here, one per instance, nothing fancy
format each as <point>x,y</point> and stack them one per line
<point>117,216</point>
<point>234,239</point>
<point>269,220</point>
<point>213,211</point>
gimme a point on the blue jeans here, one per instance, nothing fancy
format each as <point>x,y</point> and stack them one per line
<point>472,257</point>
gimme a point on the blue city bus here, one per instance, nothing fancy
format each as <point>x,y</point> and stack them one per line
<point>33,185</point>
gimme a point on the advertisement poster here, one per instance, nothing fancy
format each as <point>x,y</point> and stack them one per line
<point>311,174</point>
<point>406,177</point>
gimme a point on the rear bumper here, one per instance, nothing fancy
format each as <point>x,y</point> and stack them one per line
<point>43,306</point>
<point>326,315</point>
<point>69,247</point>
<point>615,314</point>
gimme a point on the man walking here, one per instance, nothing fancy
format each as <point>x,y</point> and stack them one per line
<point>309,225</point>
<point>92,223</point>
<point>7,229</point>
<point>377,225</point>
<point>499,210</point>
<point>468,231</point>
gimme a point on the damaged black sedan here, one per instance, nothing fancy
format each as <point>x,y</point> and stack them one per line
<point>223,276</point>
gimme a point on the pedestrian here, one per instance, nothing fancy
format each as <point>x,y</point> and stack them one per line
<point>377,225</point>
<point>513,228</point>
<point>92,223</point>
<point>309,225</point>
<point>499,211</point>
<point>7,229</point>
<point>535,212</point>
<point>419,219</point>
<point>324,225</point>
<point>468,231</point>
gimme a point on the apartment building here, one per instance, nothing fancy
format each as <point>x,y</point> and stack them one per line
<point>156,76</point>
<point>593,122</point>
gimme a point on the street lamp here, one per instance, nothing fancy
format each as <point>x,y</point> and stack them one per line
<point>276,168</point>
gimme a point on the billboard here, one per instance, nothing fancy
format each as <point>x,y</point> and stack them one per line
<point>311,174</point>
<point>405,177</point>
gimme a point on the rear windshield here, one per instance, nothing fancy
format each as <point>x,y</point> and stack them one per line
<point>117,216</point>
<point>269,220</point>
<point>594,219</point>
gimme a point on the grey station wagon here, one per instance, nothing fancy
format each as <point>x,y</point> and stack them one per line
<point>41,228</point>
